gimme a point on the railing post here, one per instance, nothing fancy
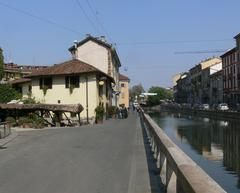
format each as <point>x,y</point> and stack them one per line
<point>4,130</point>
<point>170,179</point>
<point>158,156</point>
<point>162,168</point>
<point>179,188</point>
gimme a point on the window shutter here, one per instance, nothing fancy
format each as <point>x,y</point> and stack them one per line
<point>77,81</point>
<point>66,81</point>
<point>41,83</point>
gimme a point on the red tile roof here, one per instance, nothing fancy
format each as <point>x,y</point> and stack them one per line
<point>25,69</point>
<point>67,68</point>
<point>123,77</point>
<point>20,80</point>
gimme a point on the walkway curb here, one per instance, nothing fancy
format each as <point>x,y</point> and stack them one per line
<point>139,181</point>
<point>8,139</point>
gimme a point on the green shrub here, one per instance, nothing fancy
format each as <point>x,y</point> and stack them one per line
<point>29,101</point>
<point>24,120</point>
<point>7,93</point>
<point>112,110</point>
<point>99,110</point>
<point>38,123</point>
<point>10,120</point>
<point>31,120</point>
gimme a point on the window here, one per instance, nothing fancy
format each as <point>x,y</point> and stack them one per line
<point>123,95</point>
<point>122,84</point>
<point>72,81</point>
<point>45,82</point>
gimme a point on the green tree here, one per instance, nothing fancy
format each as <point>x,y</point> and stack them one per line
<point>162,94</point>
<point>1,64</point>
<point>7,93</point>
<point>136,90</point>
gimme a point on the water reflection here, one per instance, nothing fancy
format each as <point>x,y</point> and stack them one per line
<point>215,140</point>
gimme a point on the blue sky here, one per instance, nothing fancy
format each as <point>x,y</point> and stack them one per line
<point>177,26</point>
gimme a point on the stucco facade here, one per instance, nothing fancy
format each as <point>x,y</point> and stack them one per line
<point>124,93</point>
<point>93,54</point>
<point>72,82</point>
<point>59,94</point>
<point>124,90</point>
<point>197,81</point>
<point>101,55</point>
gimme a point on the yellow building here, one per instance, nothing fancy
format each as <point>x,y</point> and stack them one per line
<point>100,54</point>
<point>72,82</point>
<point>22,85</point>
<point>124,90</point>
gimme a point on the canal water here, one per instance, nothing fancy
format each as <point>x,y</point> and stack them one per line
<point>213,144</point>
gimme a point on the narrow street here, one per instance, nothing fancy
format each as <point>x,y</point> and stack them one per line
<point>93,158</point>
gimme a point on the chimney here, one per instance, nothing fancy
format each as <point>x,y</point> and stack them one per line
<point>88,35</point>
<point>103,39</point>
<point>75,43</point>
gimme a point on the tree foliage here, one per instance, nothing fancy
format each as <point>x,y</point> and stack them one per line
<point>1,64</point>
<point>162,94</point>
<point>7,93</point>
<point>136,90</point>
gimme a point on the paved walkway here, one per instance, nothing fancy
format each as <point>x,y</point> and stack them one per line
<point>108,158</point>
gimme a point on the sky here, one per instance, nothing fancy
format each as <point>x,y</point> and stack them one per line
<point>147,33</point>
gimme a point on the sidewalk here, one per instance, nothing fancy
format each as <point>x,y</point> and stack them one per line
<point>143,175</point>
<point>115,152</point>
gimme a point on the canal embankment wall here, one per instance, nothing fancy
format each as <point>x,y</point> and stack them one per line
<point>204,113</point>
<point>178,172</point>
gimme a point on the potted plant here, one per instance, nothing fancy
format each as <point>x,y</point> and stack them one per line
<point>99,110</point>
<point>112,111</point>
<point>25,122</point>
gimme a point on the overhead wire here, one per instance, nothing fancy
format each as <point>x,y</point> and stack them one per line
<point>94,13</point>
<point>202,51</point>
<point>86,15</point>
<point>40,18</point>
<point>170,42</point>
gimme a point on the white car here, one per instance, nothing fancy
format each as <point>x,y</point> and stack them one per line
<point>205,106</point>
<point>223,107</point>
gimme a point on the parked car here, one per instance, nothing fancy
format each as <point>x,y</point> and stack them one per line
<point>223,107</point>
<point>205,106</point>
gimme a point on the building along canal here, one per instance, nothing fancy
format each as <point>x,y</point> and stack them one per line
<point>213,144</point>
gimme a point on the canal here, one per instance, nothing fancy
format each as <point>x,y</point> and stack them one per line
<point>213,144</point>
